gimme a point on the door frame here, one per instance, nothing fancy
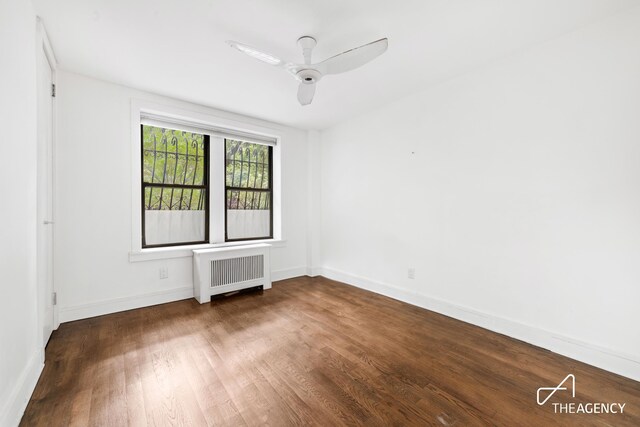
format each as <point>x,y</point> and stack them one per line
<point>43,45</point>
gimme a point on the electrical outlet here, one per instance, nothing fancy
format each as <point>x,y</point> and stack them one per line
<point>411,273</point>
<point>164,272</point>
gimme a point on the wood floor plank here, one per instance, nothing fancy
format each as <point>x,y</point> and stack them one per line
<point>311,351</point>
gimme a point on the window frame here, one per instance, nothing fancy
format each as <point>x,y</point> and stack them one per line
<point>204,120</point>
<point>270,190</point>
<point>206,187</point>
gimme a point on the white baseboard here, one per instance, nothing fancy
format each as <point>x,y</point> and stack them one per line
<point>288,273</point>
<point>314,271</point>
<point>609,360</point>
<point>115,305</point>
<point>84,311</point>
<point>23,389</point>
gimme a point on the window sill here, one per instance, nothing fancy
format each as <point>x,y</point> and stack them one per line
<point>187,251</point>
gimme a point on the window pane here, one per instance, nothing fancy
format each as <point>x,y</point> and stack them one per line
<point>246,223</point>
<point>247,165</point>
<point>174,215</point>
<point>248,172</point>
<point>172,157</point>
<point>170,227</point>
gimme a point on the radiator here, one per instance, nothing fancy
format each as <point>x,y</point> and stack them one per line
<point>221,270</point>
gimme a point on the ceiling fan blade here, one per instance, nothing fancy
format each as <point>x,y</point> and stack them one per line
<point>257,54</point>
<point>306,92</point>
<point>354,58</point>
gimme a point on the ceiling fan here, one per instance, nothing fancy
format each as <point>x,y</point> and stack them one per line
<point>309,74</point>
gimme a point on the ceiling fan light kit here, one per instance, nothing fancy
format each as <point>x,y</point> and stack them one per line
<point>309,74</point>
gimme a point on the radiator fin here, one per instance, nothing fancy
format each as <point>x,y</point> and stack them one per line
<point>236,270</point>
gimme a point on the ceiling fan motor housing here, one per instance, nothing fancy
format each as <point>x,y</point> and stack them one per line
<point>309,76</point>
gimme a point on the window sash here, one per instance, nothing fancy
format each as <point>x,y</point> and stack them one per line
<point>268,190</point>
<point>205,186</point>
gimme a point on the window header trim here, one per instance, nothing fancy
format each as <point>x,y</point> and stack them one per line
<point>151,119</point>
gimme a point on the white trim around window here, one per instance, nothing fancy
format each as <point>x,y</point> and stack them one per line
<point>149,112</point>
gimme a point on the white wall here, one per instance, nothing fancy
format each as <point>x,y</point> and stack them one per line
<point>514,191</point>
<point>93,207</point>
<point>20,349</point>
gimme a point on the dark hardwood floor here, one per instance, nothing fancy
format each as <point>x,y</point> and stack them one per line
<point>309,351</point>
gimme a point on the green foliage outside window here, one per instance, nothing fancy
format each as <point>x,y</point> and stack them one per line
<point>248,173</point>
<point>173,157</point>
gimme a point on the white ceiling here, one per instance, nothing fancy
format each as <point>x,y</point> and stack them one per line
<point>176,48</point>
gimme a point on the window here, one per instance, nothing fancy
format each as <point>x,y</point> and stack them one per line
<point>201,183</point>
<point>175,187</point>
<point>249,194</point>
